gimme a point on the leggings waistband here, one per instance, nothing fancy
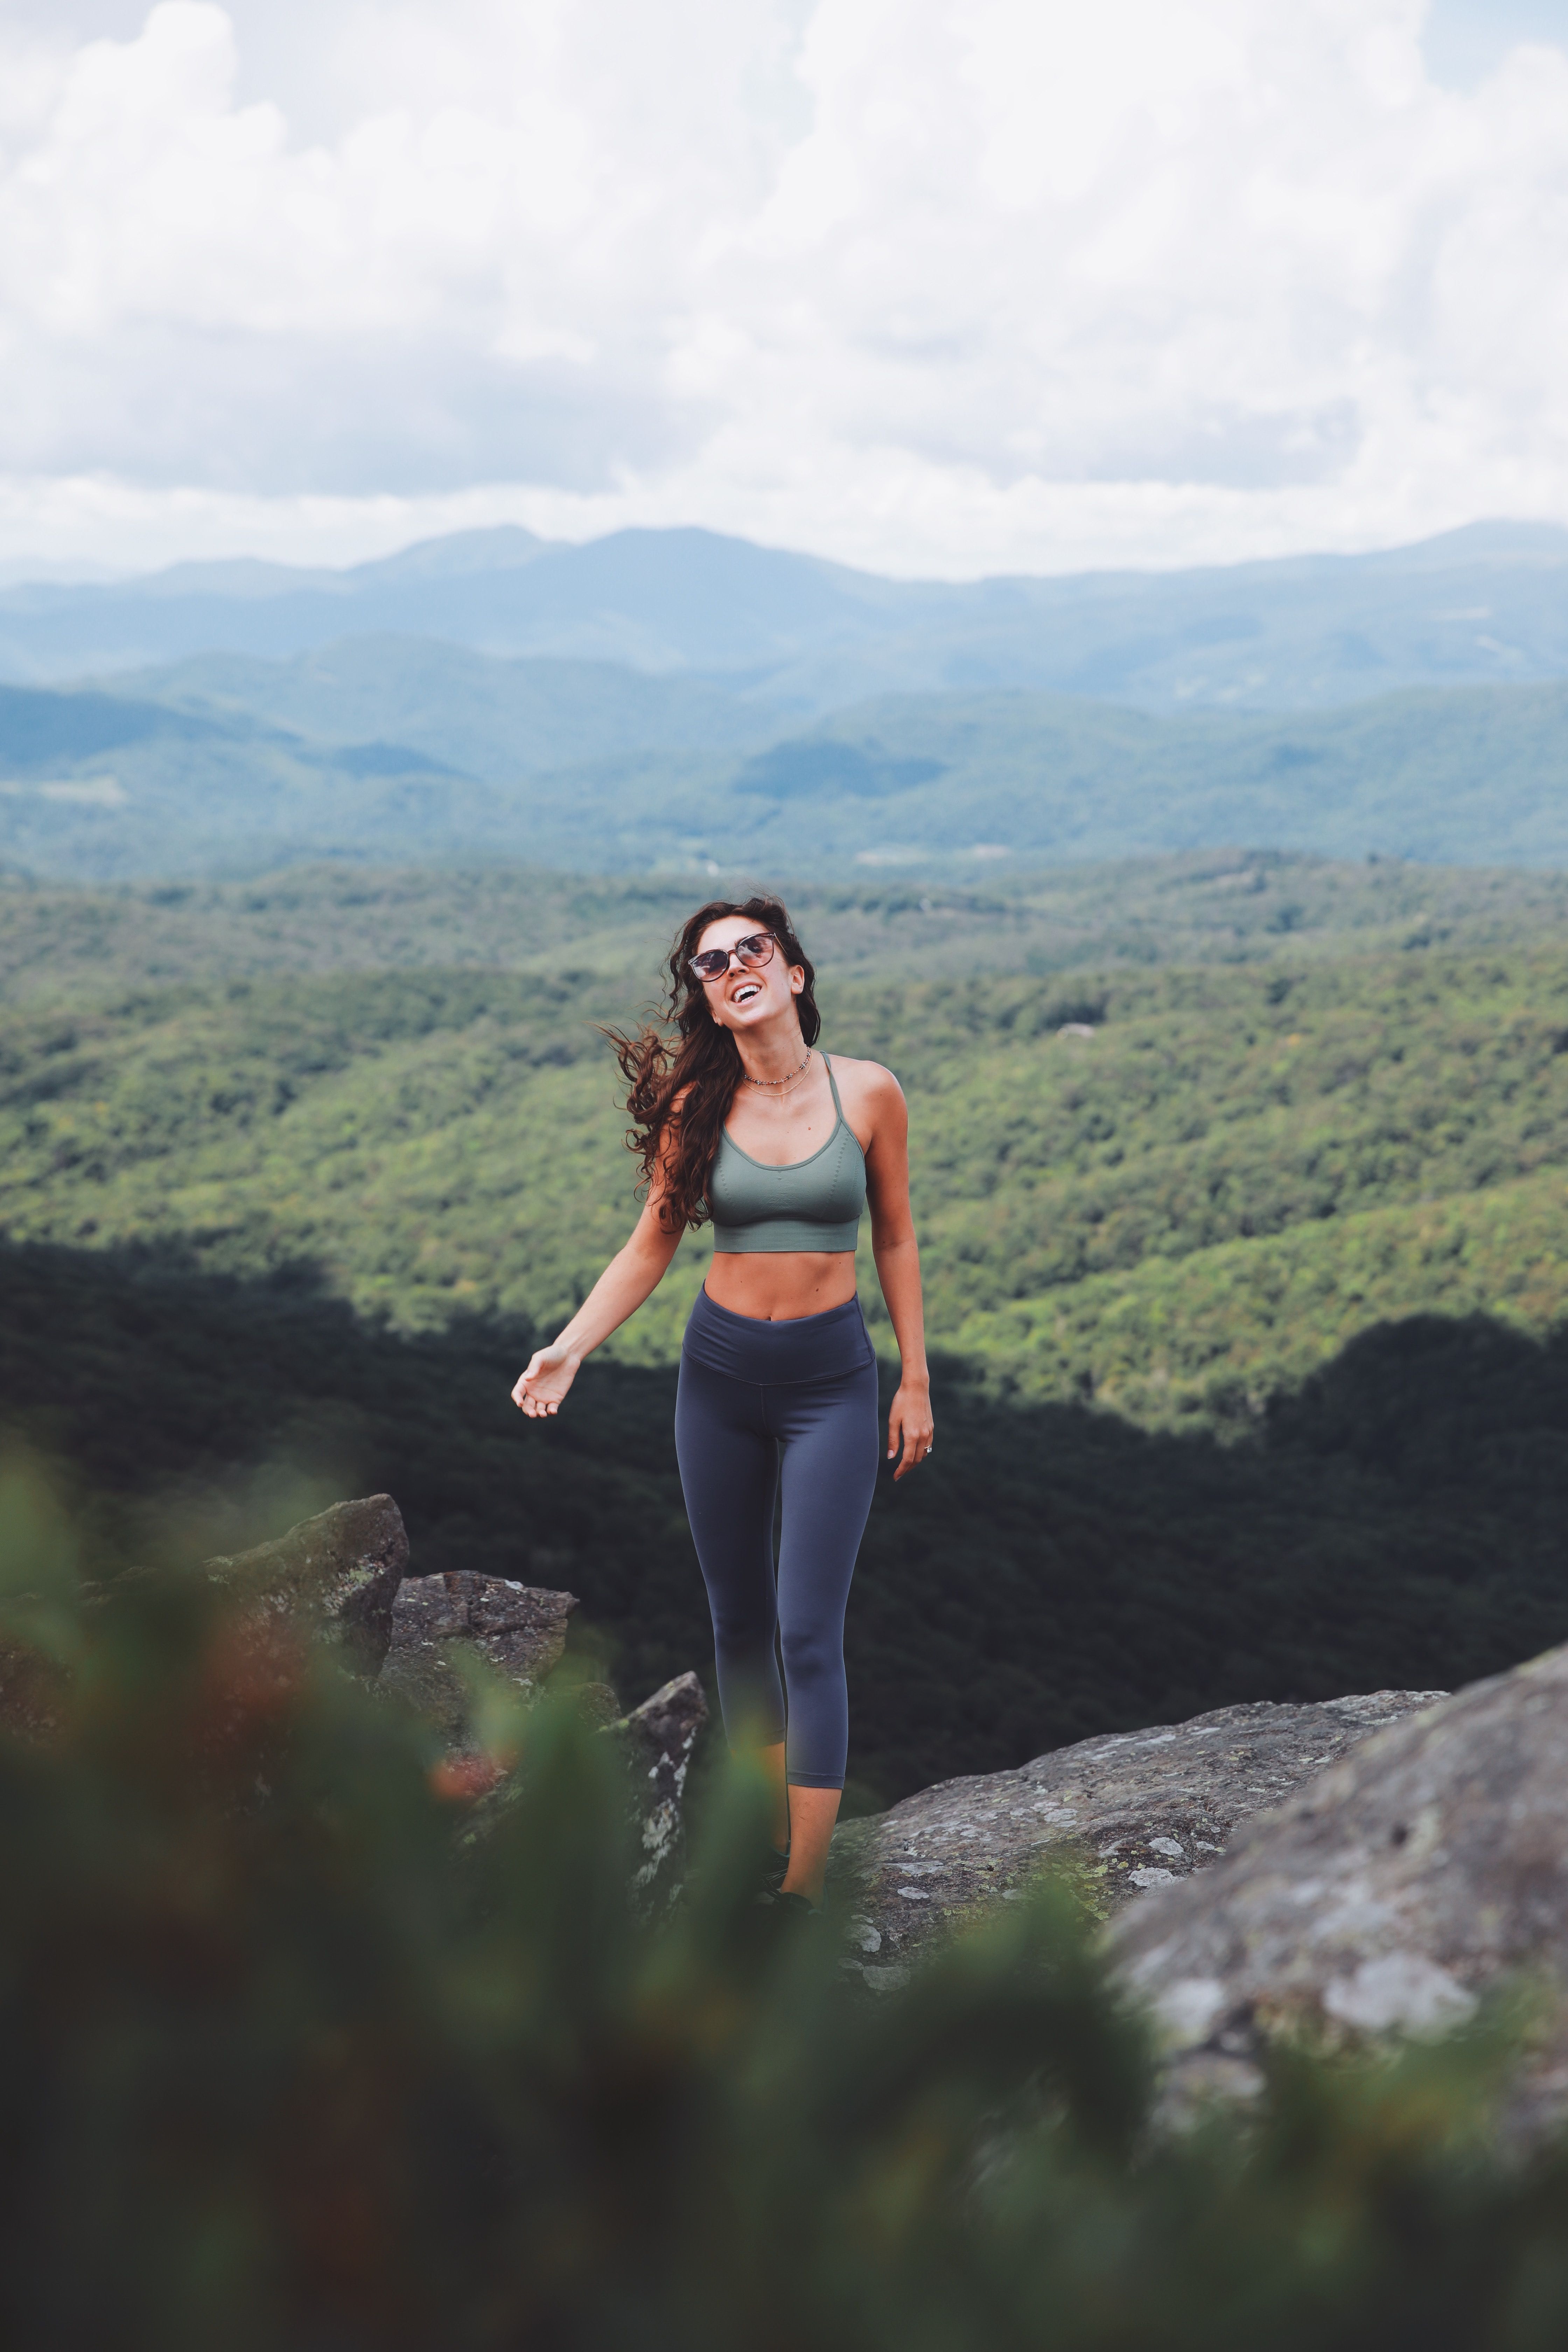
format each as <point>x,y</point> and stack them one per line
<point>808,1347</point>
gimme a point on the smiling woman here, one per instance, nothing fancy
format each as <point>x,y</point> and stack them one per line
<point>743,1120</point>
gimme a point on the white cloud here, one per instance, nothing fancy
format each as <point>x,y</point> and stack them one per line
<point>1013,285</point>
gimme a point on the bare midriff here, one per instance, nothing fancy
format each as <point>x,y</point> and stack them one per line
<point>781,1286</point>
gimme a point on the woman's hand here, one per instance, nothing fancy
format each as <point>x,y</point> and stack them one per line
<point>551,1372</point>
<point>909,1424</point>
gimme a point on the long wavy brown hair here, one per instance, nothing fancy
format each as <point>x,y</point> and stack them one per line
<point>701,1064</point>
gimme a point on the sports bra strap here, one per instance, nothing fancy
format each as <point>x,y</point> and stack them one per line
<point>833,1084</point>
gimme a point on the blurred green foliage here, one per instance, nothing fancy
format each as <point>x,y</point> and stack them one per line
<point>298,2054</point>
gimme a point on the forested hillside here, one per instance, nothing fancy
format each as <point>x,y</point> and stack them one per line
<point>1223,906</point>
<point>1213,1188</point>
<point>1246,1275</point>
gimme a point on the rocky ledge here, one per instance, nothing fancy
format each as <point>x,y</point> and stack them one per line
<point>1343,1873</point>
<point>1131,1811</point>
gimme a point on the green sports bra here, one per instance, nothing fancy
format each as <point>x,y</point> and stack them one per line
<point>808,1204</point>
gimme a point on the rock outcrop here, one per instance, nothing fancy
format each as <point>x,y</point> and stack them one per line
<point>519,1630</point>
<point>660,1737</point>
<point>337,1574</point>
<point>1387,1894</point>
<point>1132,1812</point>
<point>341,1577</point>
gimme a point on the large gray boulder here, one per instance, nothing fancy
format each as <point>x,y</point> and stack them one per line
<point>1131,1811</point>
<point>336,1576</point>
<point>1386,1895</point>
<point>518,1629</point>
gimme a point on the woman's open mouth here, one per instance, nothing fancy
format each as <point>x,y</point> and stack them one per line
<point>748,992</point>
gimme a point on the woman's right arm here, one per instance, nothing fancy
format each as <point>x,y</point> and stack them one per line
<point>633,1275</point>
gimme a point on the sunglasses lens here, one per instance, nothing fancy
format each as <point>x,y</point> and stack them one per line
<point>714,963</point>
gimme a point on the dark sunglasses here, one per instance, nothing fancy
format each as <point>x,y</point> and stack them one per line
<point>754,950</point>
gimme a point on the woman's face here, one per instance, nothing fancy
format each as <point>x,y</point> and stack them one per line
<point>746,999</point>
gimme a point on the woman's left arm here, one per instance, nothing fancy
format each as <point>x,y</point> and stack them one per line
<point>897,1258</point>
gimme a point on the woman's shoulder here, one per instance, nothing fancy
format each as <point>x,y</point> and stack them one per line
<point>867,1083</point>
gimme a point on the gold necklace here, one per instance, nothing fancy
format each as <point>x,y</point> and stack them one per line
<point>788,1081</point>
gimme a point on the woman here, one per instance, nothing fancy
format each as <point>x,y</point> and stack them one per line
<point>746,1122</point>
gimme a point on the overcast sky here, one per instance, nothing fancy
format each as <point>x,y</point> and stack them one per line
<point>931,286</point>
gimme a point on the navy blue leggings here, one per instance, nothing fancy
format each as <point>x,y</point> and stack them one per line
<point>760,1404</point>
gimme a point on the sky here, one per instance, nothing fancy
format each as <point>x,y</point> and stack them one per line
<point>938,287</point>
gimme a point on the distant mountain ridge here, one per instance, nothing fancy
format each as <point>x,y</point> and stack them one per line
<point>670,698</point>
<point>1487,604</point>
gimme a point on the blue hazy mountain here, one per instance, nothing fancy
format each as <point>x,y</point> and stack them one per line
<point>670,696</point>
<point>652,601</point>
<point>800,637</point>
<point>493,717</point>
<point>95,785</point>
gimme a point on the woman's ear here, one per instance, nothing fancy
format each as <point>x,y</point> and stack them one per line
<point>796,979</point>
